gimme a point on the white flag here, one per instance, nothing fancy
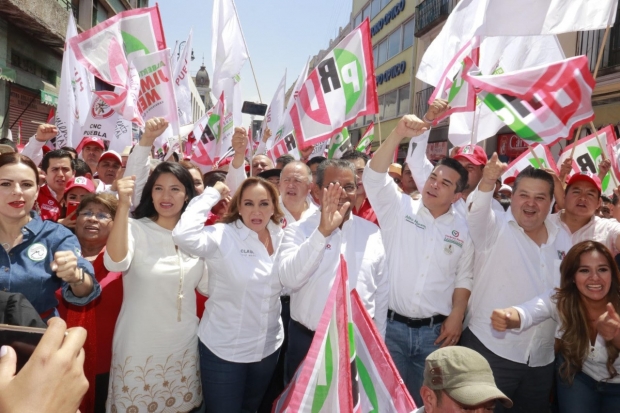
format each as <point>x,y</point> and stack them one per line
<point>75,94</point>
<point>229,54</point>
<point>287,123</point>
<point>275,112</point>
<point>182,89</point>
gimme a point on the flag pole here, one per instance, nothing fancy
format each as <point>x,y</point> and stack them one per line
<point>599,59</point>
<point>600,144</point>
<point>535,156</point>
<point>474,128</point>
<point>247,51</point>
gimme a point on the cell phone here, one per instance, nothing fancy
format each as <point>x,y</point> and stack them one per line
<point>251,108</point>
<point>71,207</point>
<point>23,340</point>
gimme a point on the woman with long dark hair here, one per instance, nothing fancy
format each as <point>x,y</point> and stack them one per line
<point>240,332</point>
<point>585,306</point>
<point>155,365</point>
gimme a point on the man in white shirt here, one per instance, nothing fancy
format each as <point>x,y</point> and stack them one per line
<point>518,256</point>
<point>430,257</point>
<point>309,256</point>
<point>295,182</point>
<point>581,200</point>
<point>472,157</point>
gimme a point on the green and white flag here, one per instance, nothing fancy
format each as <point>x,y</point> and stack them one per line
<point>365,143</point>
<point>339,144</point>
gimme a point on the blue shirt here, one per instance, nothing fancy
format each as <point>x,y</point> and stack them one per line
<point>26,268</point>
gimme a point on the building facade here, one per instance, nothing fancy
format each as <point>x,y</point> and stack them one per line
<point>32,36</point>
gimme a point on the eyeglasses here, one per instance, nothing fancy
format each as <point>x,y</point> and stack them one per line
<point>349,189</point>
<point>99,216</point>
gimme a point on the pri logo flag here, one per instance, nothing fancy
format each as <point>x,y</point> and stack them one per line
<point>588,155</point>
<point>106,49</point>
<point>540,104</point>
<point>339,144</point>
<point>214,130</point>
<point>365,143</point>
<point>339,90</point>
<point>527,160</point>
<point>104,123</point>
<point>348,368</point>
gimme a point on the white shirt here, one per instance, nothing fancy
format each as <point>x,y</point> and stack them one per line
<point>34,150</point>
<point>428,258</point>
<point>307,263</point>
<point>289,218</point>
<point>605,231</point>
<point>241,322</point>
<point>421,169</point>
<point>542,308</point>
<point>138,166</point>
<point>510,269</point>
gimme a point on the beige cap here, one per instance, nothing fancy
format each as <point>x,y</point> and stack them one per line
<point>464,375</point>
<point>6,149</point>
<point>396,169</point>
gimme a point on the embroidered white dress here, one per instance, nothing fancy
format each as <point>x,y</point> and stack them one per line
<point>155,362</point>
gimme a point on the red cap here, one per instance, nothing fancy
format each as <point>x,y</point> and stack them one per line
<point>585,176</point>
<point>80,182</point>
<point>88,140</point>
<point>111,155</point>
<point>510,180</point>
<point>474,154</point>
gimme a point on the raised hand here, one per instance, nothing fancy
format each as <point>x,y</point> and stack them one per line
<point>565,169</point>
<point>493,169</point>
<point>331,215</point>
<point>608,324</point>
<point>409,126</point>
<point>306,152</point>
<point>125,187</point>
<point>152,130</point>
<point>222,189</point>
<point>603,168</point>
<point>436,109</point>
<point>504,319</point>
<point>45,132</point>
<point>240,141</point>
<point>266,134</point>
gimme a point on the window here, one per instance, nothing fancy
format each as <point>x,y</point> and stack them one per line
<point>408,30</point>
<point>358,20</point>
<point>385,3</point>
<point>375,55</point>
<point>394,43</point>
<point>375,8</point>
<point>366,12</point>
<point>381,99</point>
<point>389,103</point>
<point>403,100</point>
<point>383,46</point>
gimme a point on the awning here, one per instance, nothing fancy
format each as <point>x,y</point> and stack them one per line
<point>48,98</point>
<point>7,74</point>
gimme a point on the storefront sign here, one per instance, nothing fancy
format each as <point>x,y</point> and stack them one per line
<point>436,150</point>
<point>388,17</point>
<point>510,145</point>
<point>397,69</point>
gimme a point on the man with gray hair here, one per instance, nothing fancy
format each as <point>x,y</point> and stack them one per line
<point>309,255</point>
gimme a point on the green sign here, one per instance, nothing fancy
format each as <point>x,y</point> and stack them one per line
<point>48,98</point>
<point>7,74</point>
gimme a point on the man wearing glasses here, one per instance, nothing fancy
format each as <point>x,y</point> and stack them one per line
<point>309,256</point>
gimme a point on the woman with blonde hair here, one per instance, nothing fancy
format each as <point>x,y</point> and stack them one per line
<point>585,306</point>
<point>240,332</point>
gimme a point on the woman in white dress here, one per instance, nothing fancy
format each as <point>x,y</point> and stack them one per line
<point>241,331</point>
<point>155,364</point>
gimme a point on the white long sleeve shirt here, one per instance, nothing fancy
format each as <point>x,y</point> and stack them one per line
<point>241,322</point>
<point>511,269</point>
<point>427,257</point>
<point>605,231</point>
<point>307,263</point>
<point>34,150</point>
<point>543,308</point>
<point>138,166</point>
<point>421,169</point>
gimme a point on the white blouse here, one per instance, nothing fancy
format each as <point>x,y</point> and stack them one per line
<point>241,322</point>
<point>542,308</point>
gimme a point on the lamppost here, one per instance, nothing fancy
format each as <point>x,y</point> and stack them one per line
<point>181,47</point>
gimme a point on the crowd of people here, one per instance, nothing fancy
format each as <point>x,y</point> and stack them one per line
<point>203,292</point>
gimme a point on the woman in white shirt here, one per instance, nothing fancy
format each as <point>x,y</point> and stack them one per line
<point>155,361</point>
<point>240,332</point>
<point>585,307</point>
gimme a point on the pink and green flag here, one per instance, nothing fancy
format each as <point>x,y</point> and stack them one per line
<point>527,160</point>
<point>365,142</point>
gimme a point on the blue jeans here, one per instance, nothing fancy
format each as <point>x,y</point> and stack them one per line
<point>586,394</point>
<point>234,387</point>
<point>409,348</point>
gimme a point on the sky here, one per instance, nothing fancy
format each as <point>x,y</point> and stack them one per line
<point>280,34</point>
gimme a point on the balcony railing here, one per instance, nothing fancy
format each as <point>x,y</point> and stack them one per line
<point>421,101</point>
<point>430,13</point>
<point>73,8</point>
<point>589,44</point>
